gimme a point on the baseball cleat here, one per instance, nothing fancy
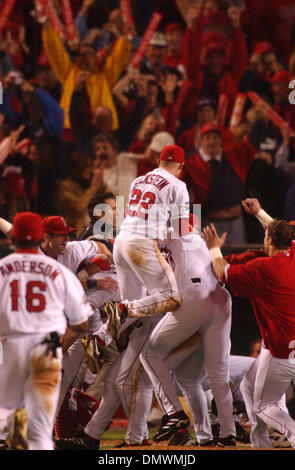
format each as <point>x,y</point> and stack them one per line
<point>278,440</point>
<point>18,439</point>
<point>80,442</point>
<point>209,443</point>
<point>3,444</point>
<point>182,438</point>
<point>145,442</point>
<point>229,441</point>
<point>171,424</point>
<point>115,316</point>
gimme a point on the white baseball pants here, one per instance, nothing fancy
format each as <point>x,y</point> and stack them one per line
<point>211,317</point>
<point>263,389</point>
<point>140,263</point>
<point>121,387</point>
<point>31,379</point>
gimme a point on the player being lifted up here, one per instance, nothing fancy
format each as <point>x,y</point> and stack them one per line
<point>158,202</point>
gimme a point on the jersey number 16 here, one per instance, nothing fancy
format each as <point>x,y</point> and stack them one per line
<point>35,300</point>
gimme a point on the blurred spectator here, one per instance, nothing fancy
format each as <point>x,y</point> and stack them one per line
<point>118,169</point>
<point>136,95</point>
<point>190,140</point>
<point>152,124</point>
<point>73,193</point>
<point>96,83</point>
<point>280,92</point>
<point>152,153</point>
<point>215,53</point>
<point>153,62</point>
<point>13,40</point>
<point>263,64</point>
<point>270,169</point>
<point>174,38</point>
<point>46,79</point>
<point>85,126</point>
<point>22,102</point>
<point>216,179</point>
<point>99,37</point>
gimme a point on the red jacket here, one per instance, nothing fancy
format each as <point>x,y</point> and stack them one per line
<point>270,283</point>
<point>197,173</point>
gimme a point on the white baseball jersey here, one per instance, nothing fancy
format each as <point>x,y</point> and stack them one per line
<point>155,200</point>
<point>39,295</point>
<point>75,253</point>
<point>97,297</point>
<point>193,264</point>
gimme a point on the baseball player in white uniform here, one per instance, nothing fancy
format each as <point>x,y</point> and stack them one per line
<point>157,200</point>
<point>206,309</point>
<point>56,244</point>
<point>120,387</point>
<point>75,354</point>
<point>35,306</point>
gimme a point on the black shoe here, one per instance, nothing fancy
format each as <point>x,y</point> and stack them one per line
<point>182,438</point>
<point>171,424</point>
<point>209,443</point>
<point>242,435</point>
<point>115,316</point>
<point>80,442</point>
<point>3,445</point>
<point>229,441</point>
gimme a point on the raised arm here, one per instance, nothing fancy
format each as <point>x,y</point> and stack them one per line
<point>214,244</point>
<point>56,53</point>
<point>252,206</point>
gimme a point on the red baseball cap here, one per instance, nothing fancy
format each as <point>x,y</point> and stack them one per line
<point>56,224</point>
<point>283,76</point>
<point>172,153</point>
<point>262,47</point>
<point>174,27</point>
<point>214,41</point>
<point>27,226</point>
<point>214,47</point>
<point>210,127</point>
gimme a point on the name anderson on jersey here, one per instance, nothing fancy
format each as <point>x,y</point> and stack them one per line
<point>29,267</point>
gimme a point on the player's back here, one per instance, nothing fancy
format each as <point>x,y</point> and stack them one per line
<point>193,267</point>
<point>77,252</point>
<point>34,291</point>
<point>154,199</point>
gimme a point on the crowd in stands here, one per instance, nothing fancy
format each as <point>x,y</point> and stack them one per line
<point>77,120</point>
